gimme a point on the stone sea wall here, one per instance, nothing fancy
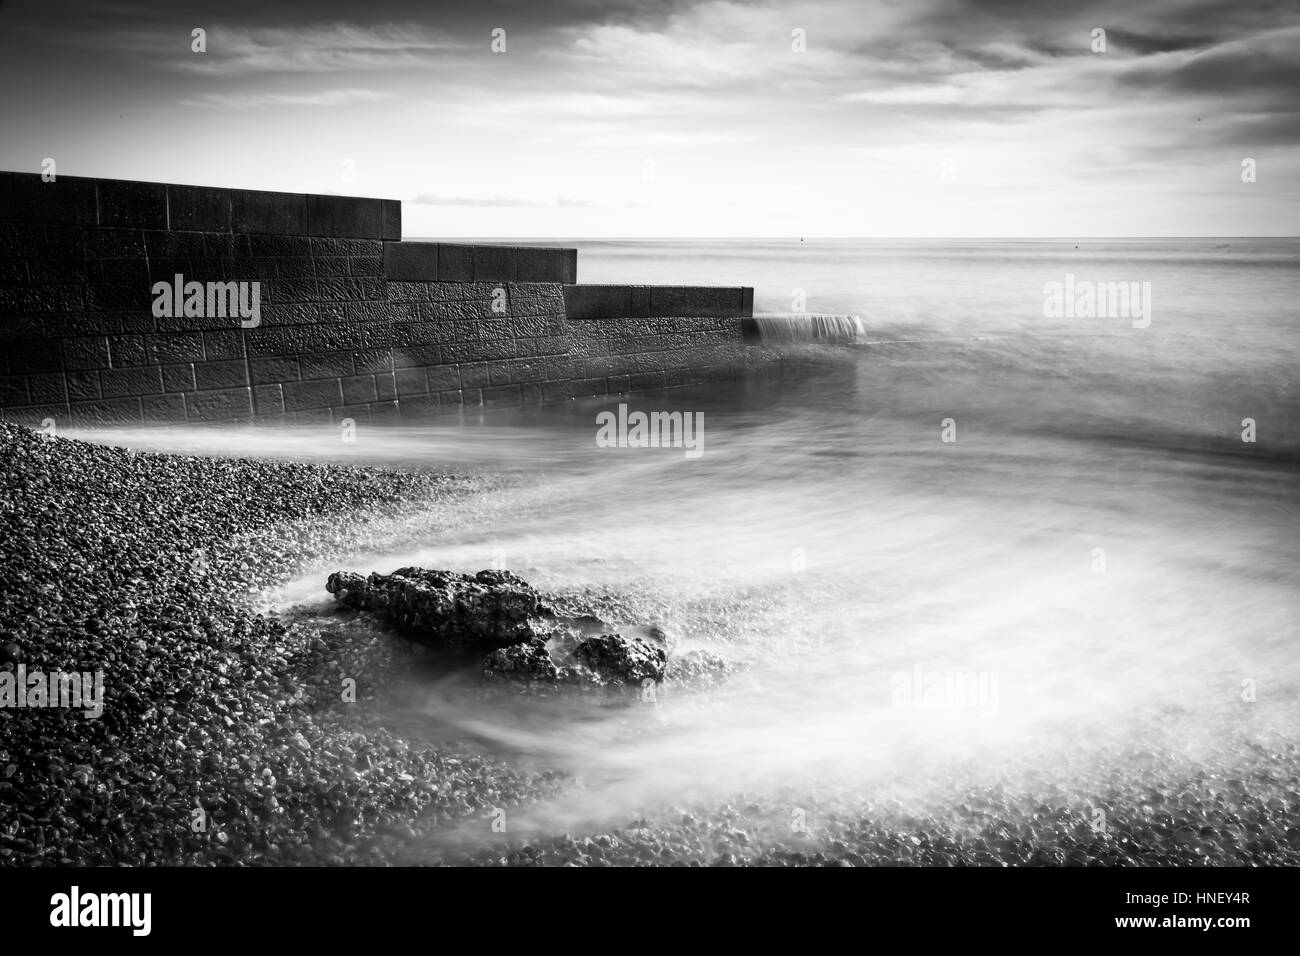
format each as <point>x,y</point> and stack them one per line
<point>310,309</point>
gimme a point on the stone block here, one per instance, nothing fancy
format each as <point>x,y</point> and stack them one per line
<point>365,265</point>
<point>35,355</point>
<point>419,406</point>
<point>175,347</point>
<point>142,380</point>
<point>455,263</point>
<point>254,211</point>
<point>47,388</point>
<point>344,217</point>
<point>494,263</point>
<point>543,264</point>
<point>411,381</point>
<point>132,204</point>
<point>390,214</point>
<point>443,378</point>
<point>219,405</point>
<point>279,246</point>
<point>370,361</point>
<point>198,208</point>
<point>301,396</point>
<point>597,301</point>
<point>14,391</point>
<point>359,388</point>
<point>503,395</point>
<point>223,374</point>
<point>557,391</point>
<point>474,375</point>
<point>228,344</point>
<point>85,353</point>
<point>162,408</point>
<point>326,365</point>
<point>275,368</point>
<point>104,411</point>
<point>268,399</point>
<point>69,200</point>
<point>330,267</point>
<point>178,378</point>
<point>313,417</point>
<point>411,262</point>
<point>694,300</point>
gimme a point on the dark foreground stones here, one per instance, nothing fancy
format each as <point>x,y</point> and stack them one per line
<point>225,737</point>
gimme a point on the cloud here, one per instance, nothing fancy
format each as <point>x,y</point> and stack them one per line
<point>243,50</point>
<point>251,101</point>
<point>858,125</point>
<point>320,48</point>
<point>1147,43</point>
<point>1264,63</point>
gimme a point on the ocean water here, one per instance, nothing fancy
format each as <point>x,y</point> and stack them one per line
<point>1095,565</point>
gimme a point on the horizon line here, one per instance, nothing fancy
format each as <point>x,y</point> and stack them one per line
<point>469,239</point>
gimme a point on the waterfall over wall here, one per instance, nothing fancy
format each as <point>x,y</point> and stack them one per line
<point>808,327</point>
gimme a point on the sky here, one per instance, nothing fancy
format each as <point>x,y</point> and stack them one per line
<point>825,118</point>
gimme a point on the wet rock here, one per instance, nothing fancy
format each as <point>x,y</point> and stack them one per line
<point>622,660</point>
<point>521,662</point>
<point>532,645</point>
<point>444,609</point>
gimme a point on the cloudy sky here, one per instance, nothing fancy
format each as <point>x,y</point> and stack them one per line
<point>908,118</point>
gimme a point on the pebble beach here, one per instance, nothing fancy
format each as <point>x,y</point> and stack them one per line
<point>228,735</point>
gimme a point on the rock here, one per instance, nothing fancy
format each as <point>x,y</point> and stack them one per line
<point>521,662</point>
<point>491,609</point>
<point>531,642</point>
<point>10,653</point>
<point>655,634</point>
<point>620,659</point>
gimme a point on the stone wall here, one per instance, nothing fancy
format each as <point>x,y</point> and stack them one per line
<point>353,323</point>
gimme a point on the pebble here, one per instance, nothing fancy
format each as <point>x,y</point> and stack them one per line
<point>202,712</point>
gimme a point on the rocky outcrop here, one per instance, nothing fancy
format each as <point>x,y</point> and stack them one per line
<point>528,644</point>
<point>443,609</point>
<point>521,662</point>
<point>621,659</point>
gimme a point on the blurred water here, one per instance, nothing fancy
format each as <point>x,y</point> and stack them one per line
<point>1095,565</point>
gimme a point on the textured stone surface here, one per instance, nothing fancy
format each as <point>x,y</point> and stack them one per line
<point>138,205</point>
<point>621,301</point>
<point>344,216</point>
<point>198,208</point>
<point>411,260</point>
<point>487,610</point>
<point>530,645</point>
<point>350,325</point>
<point>622,659</point>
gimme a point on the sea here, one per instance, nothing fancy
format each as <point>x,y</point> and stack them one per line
<point>1005,537</point>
